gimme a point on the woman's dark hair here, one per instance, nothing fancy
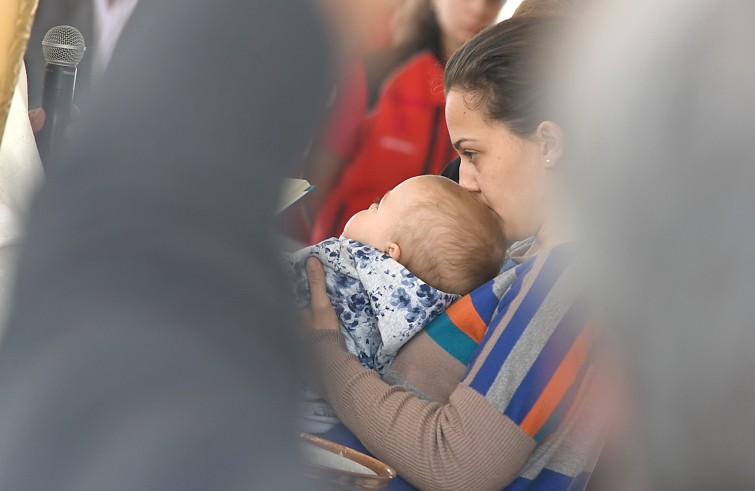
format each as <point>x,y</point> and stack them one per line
<point>506,70</point>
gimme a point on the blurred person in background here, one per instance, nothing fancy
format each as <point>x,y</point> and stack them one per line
<point>661,111</point>
<point>99,21</point>
<point>359,27</point>
<point>405,134</point>
<point>413,29</point>
<point>149,345</point>
<point>357,89</point>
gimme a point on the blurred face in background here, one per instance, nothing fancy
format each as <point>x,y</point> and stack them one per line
<point>460,20</point>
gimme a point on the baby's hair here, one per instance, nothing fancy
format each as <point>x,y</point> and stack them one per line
<point>450,239</point>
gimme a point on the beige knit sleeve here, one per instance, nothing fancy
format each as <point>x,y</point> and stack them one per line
<point>465,444</point>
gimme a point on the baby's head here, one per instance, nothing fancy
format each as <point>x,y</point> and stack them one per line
<point>442,233</point>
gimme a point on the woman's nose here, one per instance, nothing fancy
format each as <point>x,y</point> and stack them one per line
<point>467,179</point>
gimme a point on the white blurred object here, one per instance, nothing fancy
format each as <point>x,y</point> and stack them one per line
<point>20,173</point>
<point>111,17</point>
<point>508,9</point>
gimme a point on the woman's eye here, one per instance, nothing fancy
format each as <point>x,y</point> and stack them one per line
<point>469,155</point>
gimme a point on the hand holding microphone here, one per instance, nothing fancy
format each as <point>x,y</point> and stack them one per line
<point>37,118</point>
<point>63,48</point>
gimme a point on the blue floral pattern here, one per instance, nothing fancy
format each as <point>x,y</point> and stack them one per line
<point>380,303</point>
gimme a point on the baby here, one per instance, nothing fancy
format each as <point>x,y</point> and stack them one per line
<point>402,261</point>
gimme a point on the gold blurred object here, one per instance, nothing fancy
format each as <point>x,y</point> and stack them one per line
<point>342,468</point>
<point>16,17</point>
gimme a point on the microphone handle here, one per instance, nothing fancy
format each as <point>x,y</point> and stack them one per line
<point>57,98</point>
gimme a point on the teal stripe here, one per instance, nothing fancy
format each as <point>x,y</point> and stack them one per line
<point>451,338</point>
<point>549,427</point>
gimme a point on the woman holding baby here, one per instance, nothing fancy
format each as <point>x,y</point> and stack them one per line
<point>521,417</point>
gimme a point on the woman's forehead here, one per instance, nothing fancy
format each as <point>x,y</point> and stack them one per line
<point>461,111</point>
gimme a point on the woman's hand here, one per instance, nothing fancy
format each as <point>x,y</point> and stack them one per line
<point>320,315</point>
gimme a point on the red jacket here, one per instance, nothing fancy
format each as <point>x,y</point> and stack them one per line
<point>405,136</point>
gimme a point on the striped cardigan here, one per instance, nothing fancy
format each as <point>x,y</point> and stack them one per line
<point>492,395</point>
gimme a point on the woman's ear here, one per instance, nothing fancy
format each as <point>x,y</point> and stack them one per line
<point>552,141</point>
<point>393,250</point>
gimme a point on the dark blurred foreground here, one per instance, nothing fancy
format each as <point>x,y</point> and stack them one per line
<point>151,344</point>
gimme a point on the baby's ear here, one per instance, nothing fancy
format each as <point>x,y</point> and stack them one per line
<point>393,250</point>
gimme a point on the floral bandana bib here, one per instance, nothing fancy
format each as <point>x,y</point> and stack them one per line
<point>379,303</point>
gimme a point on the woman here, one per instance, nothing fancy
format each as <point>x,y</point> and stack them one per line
<point>522,416</point>
<point>405,135</point>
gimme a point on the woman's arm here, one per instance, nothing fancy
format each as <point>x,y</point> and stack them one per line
<point>465,444</point>
<point>526,371</point>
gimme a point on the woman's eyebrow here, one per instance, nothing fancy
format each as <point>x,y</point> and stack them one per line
<point>457,143</point>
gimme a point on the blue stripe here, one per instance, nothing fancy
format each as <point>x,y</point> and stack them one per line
<point>508,265</point>
<point>551,481</point>
<point>546,363</point>
<point>534,298</point>
<point>485,301</point>
<point>451,338</point>
<point>508,297</point>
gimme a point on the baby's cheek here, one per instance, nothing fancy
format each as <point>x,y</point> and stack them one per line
<point>351,229</point>
<point>345,234</point>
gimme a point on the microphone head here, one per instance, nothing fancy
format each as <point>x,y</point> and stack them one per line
<point>63,45</point>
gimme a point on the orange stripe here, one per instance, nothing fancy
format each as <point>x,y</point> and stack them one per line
<point>581,393</point>
<point>559,384</point>
<point>464,316</point>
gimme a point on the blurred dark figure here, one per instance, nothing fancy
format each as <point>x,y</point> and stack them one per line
<point>663,117</point>
<point>150,345</point>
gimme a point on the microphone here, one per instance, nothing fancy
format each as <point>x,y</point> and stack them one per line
<point>63,48</point>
